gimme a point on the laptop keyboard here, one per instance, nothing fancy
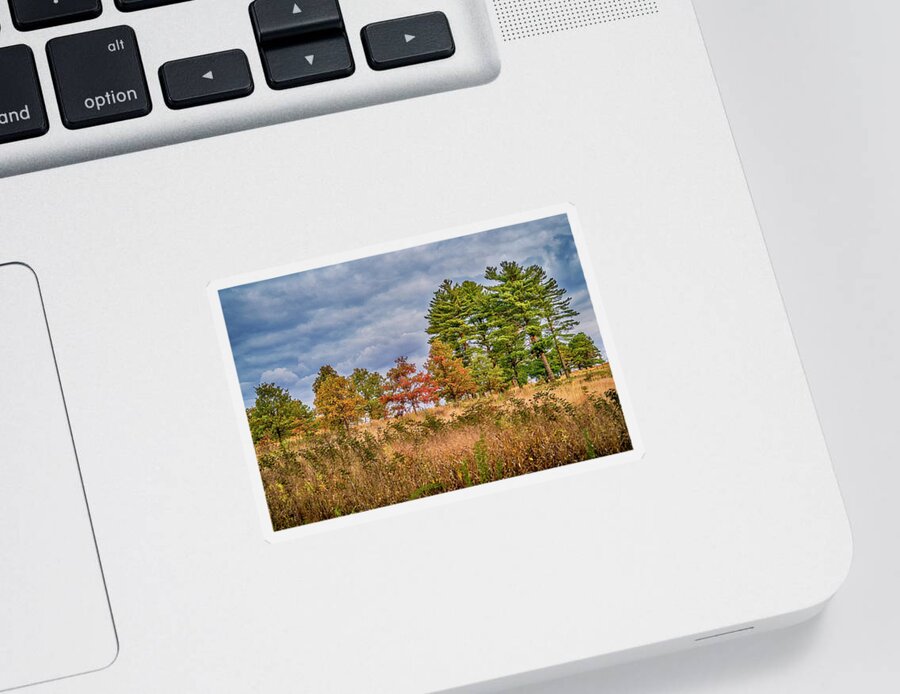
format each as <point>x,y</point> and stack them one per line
<point>102,76</point>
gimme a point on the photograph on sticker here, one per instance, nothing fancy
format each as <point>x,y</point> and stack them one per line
<point>426,370</point>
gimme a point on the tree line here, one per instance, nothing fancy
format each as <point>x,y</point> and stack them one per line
<point>516,328</point>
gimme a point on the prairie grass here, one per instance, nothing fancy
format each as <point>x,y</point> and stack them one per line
<point>329,474</point>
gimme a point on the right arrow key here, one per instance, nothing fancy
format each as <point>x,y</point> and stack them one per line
<point>408,40</point>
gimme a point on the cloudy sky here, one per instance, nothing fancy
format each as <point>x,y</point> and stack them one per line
<point>366,313</point>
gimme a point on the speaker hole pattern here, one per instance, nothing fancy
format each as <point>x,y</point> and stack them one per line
<point>522,19</point>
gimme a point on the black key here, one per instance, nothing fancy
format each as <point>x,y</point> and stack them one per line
<point>284,19</point>
<point>206,79</point>
<point>99,77</point>
<point>37,14</point>
<point>408,41</point>
<point>296,64</point>
<point>131,5</point>
<point>22,111</point>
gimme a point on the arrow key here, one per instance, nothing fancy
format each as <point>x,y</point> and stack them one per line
<point>206,79</point>
<point>297,64</point>
<point>274,20</point>
<point>408,40</point>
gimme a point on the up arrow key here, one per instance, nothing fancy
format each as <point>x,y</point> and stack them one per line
<point>408,37</point>
<point>288,21</point>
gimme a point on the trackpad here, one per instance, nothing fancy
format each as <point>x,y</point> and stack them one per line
<point>55,619</point>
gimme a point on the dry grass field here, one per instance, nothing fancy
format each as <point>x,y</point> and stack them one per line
<point>325,474</point>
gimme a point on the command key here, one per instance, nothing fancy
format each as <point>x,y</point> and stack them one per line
<point>22,111</point>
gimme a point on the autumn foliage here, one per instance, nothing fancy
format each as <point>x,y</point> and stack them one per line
<point>333,473</point>
<point>408,390</point>
<point>509,386</point>
<point>452,379</point>
<point>483,339</point>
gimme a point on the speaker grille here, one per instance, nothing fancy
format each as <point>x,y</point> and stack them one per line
<point>521,19</point>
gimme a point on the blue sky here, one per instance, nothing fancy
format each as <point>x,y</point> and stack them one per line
<point>366,313</point>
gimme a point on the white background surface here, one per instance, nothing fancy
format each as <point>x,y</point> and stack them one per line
<point>811,91</point>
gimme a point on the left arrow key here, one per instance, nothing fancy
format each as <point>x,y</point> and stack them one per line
<point>206,79</point>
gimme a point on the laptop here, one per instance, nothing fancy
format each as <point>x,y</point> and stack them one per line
<point>386,347</point>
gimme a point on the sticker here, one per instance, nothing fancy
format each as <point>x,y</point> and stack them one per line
<point>407,374</point>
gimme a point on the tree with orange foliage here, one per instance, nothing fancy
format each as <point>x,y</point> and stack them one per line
<point>408,389</point>
<point>337,402</point>
<point>452,378</point>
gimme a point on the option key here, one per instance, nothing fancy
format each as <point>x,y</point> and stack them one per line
<point>99,77</point>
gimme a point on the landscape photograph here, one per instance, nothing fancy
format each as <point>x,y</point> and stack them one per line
<point>426,370</point>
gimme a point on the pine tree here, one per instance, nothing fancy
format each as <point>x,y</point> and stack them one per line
<point>582,351</point>
<point>451,377</point>
<point>516,302</point>
<point>448,314</point>
<point>558,315</point>
<point>479,318</point>
<point>510,352</point>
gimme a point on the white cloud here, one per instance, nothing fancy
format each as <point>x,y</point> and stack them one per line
<point>280,377</point>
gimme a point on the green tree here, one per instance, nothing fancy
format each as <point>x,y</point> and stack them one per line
<point>509,351</point>
<point>479,320</point>
<point>275,414</point>
<point>558,316</point>
<point>337,402</point>
<point>451,377</point>
<point>449,313</point>
<point>369,386</point>
<point>582,351</point>
<point>516,301</point>
<point>488,376</point>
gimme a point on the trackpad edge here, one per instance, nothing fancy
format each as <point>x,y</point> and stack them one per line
<point>55,618</point>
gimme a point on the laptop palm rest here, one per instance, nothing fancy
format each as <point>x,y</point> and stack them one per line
<point>55,618</point>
